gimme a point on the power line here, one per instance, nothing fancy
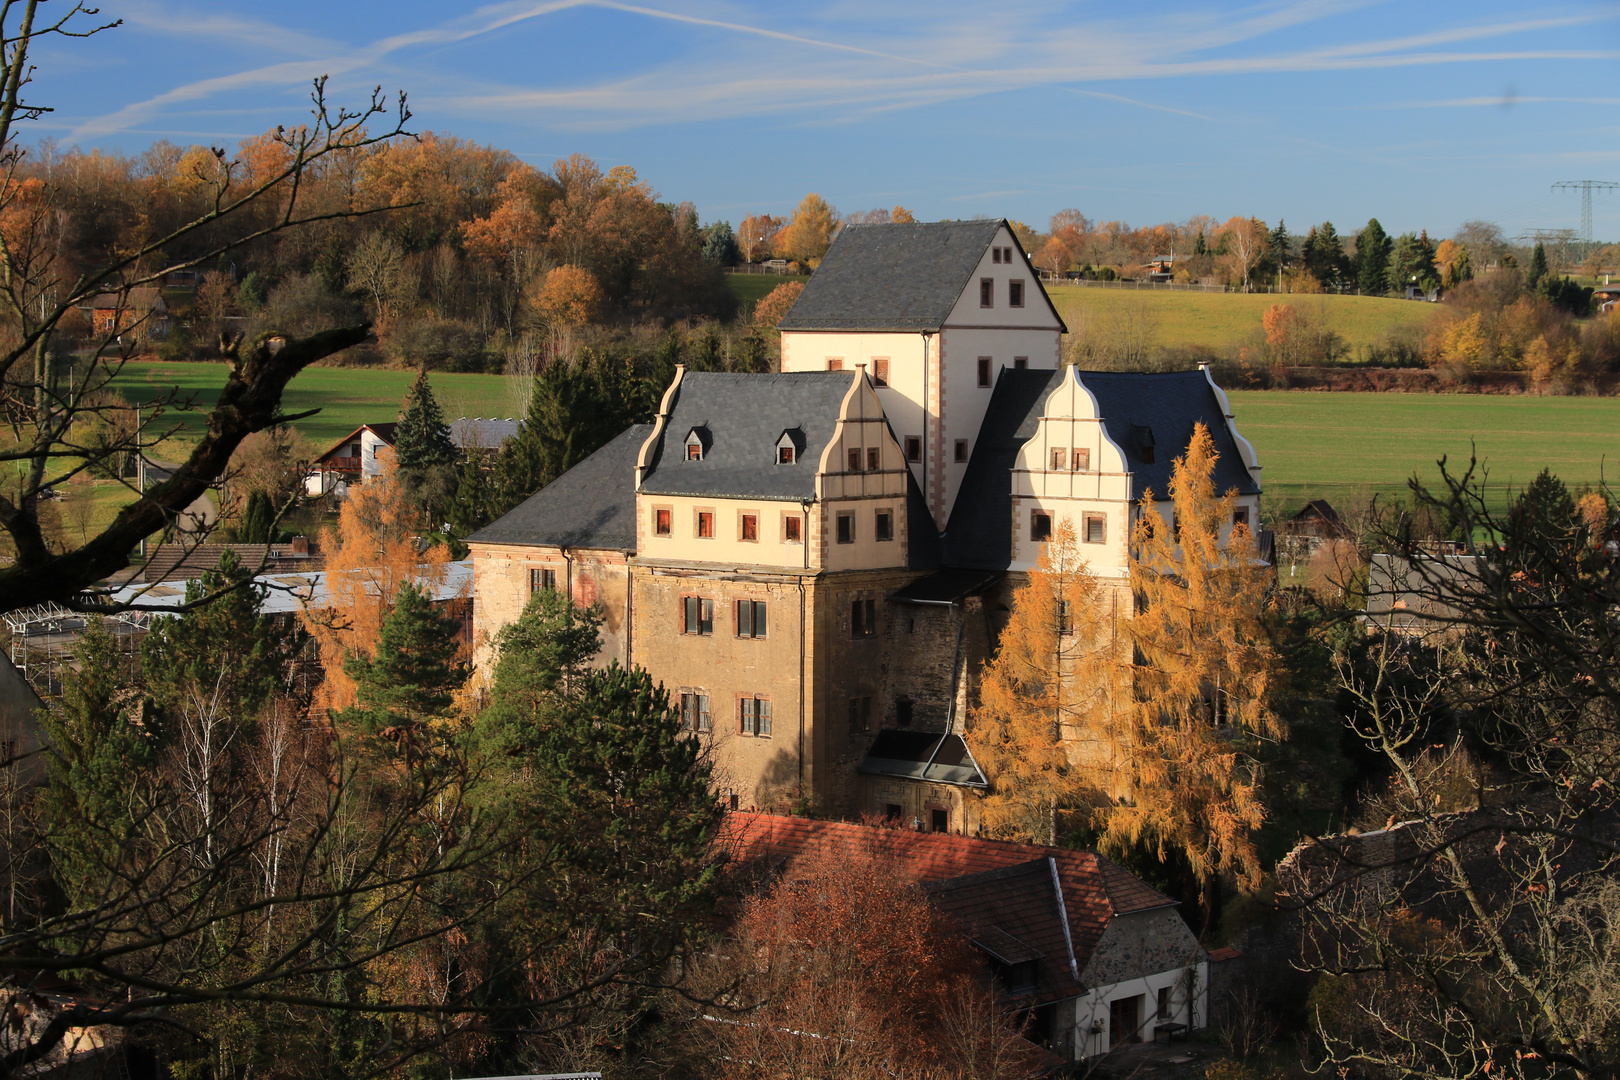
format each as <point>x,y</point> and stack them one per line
<point>1586,187</point>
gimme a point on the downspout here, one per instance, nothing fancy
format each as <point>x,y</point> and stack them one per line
<point>568,574</point>
<point>1063,916</point>
<point>805,566</point>
<point>925,457</point>
<point>629,609</point>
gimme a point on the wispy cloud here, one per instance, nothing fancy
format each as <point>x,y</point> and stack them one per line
<point>845,62</point>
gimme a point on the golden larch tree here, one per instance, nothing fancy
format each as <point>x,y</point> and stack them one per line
<point>1199,684</point>
<point>1050,675</point>
<point>374,551</point>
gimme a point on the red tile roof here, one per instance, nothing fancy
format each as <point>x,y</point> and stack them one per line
<point>988,883</point>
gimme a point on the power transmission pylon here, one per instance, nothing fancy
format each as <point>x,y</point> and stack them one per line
<point>1586,187</point>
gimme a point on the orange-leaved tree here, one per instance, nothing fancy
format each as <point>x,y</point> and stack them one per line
<point>756,234</point>
<point>842,968</point>
<point>1201,682</point>
<point>774,305</point>
<point>1045,695</point>
<point>374,551</point>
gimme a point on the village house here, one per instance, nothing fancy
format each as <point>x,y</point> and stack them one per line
<point>817,562</point>
<point>1096,958</point>
<point>142,311</point>
<point>366,451</point>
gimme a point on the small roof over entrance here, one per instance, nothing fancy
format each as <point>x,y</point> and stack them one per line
<point>923,755</point>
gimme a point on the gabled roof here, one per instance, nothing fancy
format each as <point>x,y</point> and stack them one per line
<point>592,505</point>
<point>385,432</point>
<point>1094,889</point>
<point>895,277</point>
<point>1138,409</point>
<point>741,417</point>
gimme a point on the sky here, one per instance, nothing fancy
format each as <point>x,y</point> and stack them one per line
<point>1423,114</point>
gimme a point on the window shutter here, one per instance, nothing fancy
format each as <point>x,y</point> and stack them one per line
<point>703,712</point>
<point>759,618</point>
<point>762,717</point>
<point>706,616</point>
<point>689,624</point>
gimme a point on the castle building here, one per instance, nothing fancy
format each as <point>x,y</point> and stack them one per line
<point>817,562</point>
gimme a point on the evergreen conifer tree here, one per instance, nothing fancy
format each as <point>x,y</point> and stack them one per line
<point>1538,266</point>
<point>96,752</point>
<point>1277,245</point>
<point>413,678</point>
<point>222,650</point>
<point>540,664</point>
<point>258,519</point>
<point>422,438</point>
<point>1373,248</point>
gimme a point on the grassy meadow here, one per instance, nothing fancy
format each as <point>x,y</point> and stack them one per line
<point>1223,322</point>
<point>750,289</point>
<point>347,397</point>
<point>1317,444</point>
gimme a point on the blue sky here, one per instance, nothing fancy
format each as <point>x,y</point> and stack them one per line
<point>1424,114</point>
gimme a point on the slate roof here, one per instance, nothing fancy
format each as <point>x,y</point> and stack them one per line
<point>893,277</point>
<point>1135,407</point>
<point>1094,889</point>
<point>592,505</point>
<point>740,417</point>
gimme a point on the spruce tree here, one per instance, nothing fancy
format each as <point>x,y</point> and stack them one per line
<point>422,438</point>
<point>1277,245</point>
<point>412,679</point>
<point>1372,259</point>
<point>258,519</point>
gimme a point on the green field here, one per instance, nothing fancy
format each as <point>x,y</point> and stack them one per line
<point>1311,443</point>
<point>347,397</point>
<point>1316,444</point>
<point>750,289</point>
<point>1221,322</point>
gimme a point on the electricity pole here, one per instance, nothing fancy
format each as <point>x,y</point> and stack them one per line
<point>1586,187</point>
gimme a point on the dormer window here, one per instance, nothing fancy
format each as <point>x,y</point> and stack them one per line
<point>788,446</point>
<point>1143,436</point>
<point>697,444</point>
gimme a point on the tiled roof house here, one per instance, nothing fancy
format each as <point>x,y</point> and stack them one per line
<point>817,562</point>
<point>1099,957</point>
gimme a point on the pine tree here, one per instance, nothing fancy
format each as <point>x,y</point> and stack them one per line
<point>422,438</point>
<point>1040,694</point>
<point>411,680</point>
<point>1199,690</point>
<point>540,665</point>
<point>1373,248</point>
